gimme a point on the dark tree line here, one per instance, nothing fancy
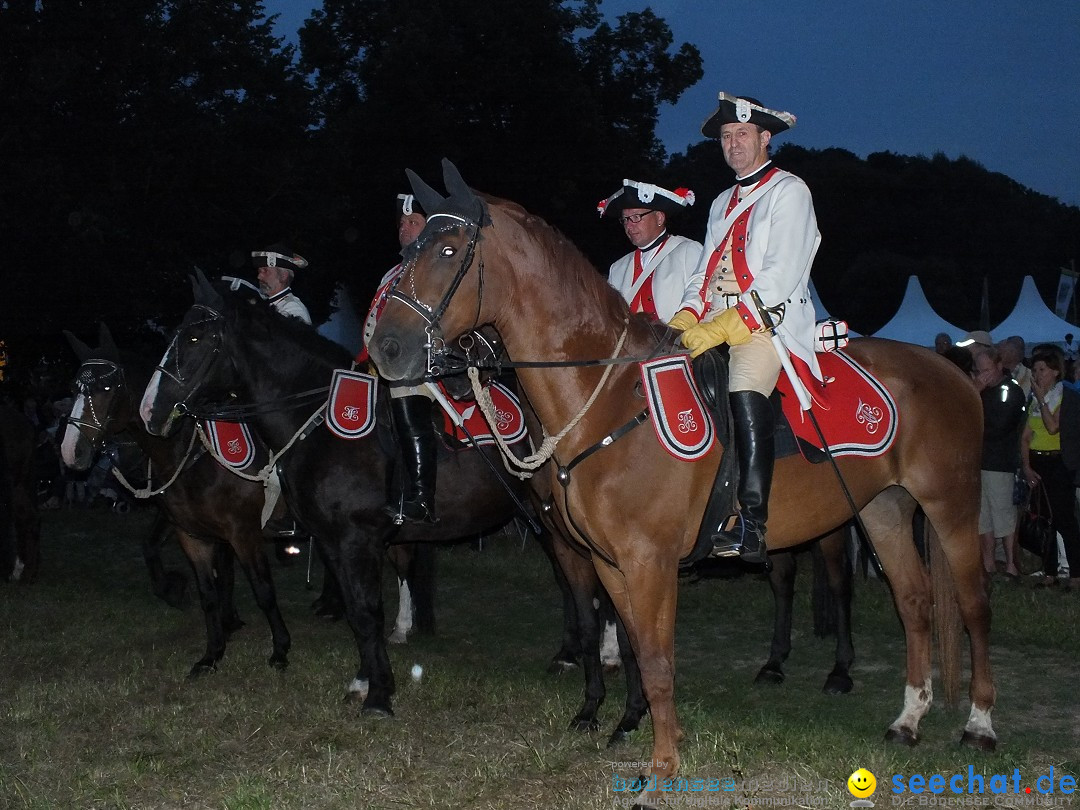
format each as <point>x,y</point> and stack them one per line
<point>142,138</point>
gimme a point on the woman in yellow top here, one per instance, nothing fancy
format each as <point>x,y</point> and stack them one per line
<point>1040,454</point>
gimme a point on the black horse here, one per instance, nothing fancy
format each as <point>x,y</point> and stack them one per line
<point>231,349</point>
<point>20,525</point>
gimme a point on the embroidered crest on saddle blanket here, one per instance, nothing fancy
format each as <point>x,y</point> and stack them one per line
<point>509,420</point>
<point>855,410</point>
<point>679,417</point>
<point>231,444</point>
<point>350,409</point>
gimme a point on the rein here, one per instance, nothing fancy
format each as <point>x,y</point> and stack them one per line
<point>148,491</point>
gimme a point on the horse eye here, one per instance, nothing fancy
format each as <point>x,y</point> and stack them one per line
<point>193,339</point>
<point>448,251</point>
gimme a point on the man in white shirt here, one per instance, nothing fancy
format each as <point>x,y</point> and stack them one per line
<point>276,267</point>
<point>653,277</point>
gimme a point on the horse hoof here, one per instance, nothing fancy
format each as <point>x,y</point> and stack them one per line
<point>201,668</point>
<point>585,724</point>
<point>397,637</point>
<point>377,712</point>
<point>769,676</point>
<point>980,742</point>
<point>279,662</point>
<point>837,685</point>
<point>560,666</point>
<point>618,737</point>
<point>902,736</point>
<point>612,669</point>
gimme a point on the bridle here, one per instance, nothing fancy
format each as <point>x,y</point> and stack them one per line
<point>201,374</point>
<point>88,378</point>
<point>440,360</point>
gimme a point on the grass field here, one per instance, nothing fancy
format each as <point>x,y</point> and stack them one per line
<point>95,710</point>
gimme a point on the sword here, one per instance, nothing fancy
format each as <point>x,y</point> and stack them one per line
<point>765,316</point>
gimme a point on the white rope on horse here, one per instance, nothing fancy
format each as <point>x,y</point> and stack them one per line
<point>547,447</point>
<point>148,492</point>
<point>264,473</point>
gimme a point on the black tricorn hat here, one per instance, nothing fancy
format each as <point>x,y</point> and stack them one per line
<point>277,255</point>
<point>744,109</point>
<point>408,204</point>
<point>635,194</point>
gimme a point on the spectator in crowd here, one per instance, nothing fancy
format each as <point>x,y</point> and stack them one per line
<point>1040,453</point>
<point>942,341</point>
<point>1003,422</point>
<point>1013,351</point>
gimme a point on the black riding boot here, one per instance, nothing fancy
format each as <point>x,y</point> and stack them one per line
<point>416,435</point>
<point>754,443</point>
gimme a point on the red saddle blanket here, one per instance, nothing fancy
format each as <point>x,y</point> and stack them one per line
<point>682,424</point>
<point>854,409</point>
<point>350,411</point>
<point>509,420</point>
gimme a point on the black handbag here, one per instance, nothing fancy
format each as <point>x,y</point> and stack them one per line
<point>1035,531</point>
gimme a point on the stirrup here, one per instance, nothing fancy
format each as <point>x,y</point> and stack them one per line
<point>730,541</point>
<point>411,512</point>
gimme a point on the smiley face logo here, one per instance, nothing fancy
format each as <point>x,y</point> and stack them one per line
<point>862,784</point>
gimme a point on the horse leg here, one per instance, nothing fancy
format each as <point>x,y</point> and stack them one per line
<point>330,604</point>
<point>225,579</point>
<point>168,586</point>
<point>400,557</point>
<point>27,524</point>
<point>582,585</point>
<point>889,523</point>
<point>360,574</point>
<point>636,704</point>
<point>832,553</point>
<point>645,592</point>
<point>201,555</point>
<point>566,658</point>
<point>782,583</point>
<point>956,532</point>
<point>249,549</point>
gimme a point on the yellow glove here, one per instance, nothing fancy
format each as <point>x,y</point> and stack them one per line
<point>727,327</point>
<point>683,320</point>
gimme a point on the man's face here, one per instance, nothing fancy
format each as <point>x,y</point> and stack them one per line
<point>985,372</point>
<point>746,147</point>
<point>272,280</point>
<point>649,225</point>
<point>409,227</point>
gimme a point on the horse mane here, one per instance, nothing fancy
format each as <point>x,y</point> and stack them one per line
<point>257,318</point>
<point>576,272</point>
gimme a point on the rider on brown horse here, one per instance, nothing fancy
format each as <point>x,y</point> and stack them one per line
<point>761,239</point>
<point>410,405</point>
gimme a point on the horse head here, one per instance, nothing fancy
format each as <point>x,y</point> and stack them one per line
<point>100,397</point>
<point>426,306</point>
<point>189,365</point>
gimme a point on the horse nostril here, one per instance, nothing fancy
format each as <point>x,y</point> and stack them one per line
<point>390,348</point>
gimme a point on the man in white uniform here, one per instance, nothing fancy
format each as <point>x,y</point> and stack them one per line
<point>761,239</point>
<point>653,277</point>
<point>276,267</point>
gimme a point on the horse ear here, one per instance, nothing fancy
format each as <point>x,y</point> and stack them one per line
<point>430,200</point>
<point>205,293</point>
<point>82,351</point>
<point>460,192</point>
<point>106,343</point>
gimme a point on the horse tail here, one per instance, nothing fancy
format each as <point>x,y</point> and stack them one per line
<point>948,623</point>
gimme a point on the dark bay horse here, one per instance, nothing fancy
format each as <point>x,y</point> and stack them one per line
<point>491,262</point>
<point>207,505</point>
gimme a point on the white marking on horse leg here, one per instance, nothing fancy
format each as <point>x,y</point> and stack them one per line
<point>358,688</point>
<point>16,571</point>
<point>609,646</point>
<point>979,723</point>
<point>146,406</point>
<point>916,705</point>
<point>403,625</point>
<point>71,432</point>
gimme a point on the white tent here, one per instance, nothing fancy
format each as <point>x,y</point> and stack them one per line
<point>1033,320</point>
<point>916,321</point>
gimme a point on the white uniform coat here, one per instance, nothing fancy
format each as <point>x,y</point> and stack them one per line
<point>288,304</point>
<point>671,267</point>
<point>781,240</point>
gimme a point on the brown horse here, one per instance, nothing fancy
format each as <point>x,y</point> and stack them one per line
<point>639,508</point>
